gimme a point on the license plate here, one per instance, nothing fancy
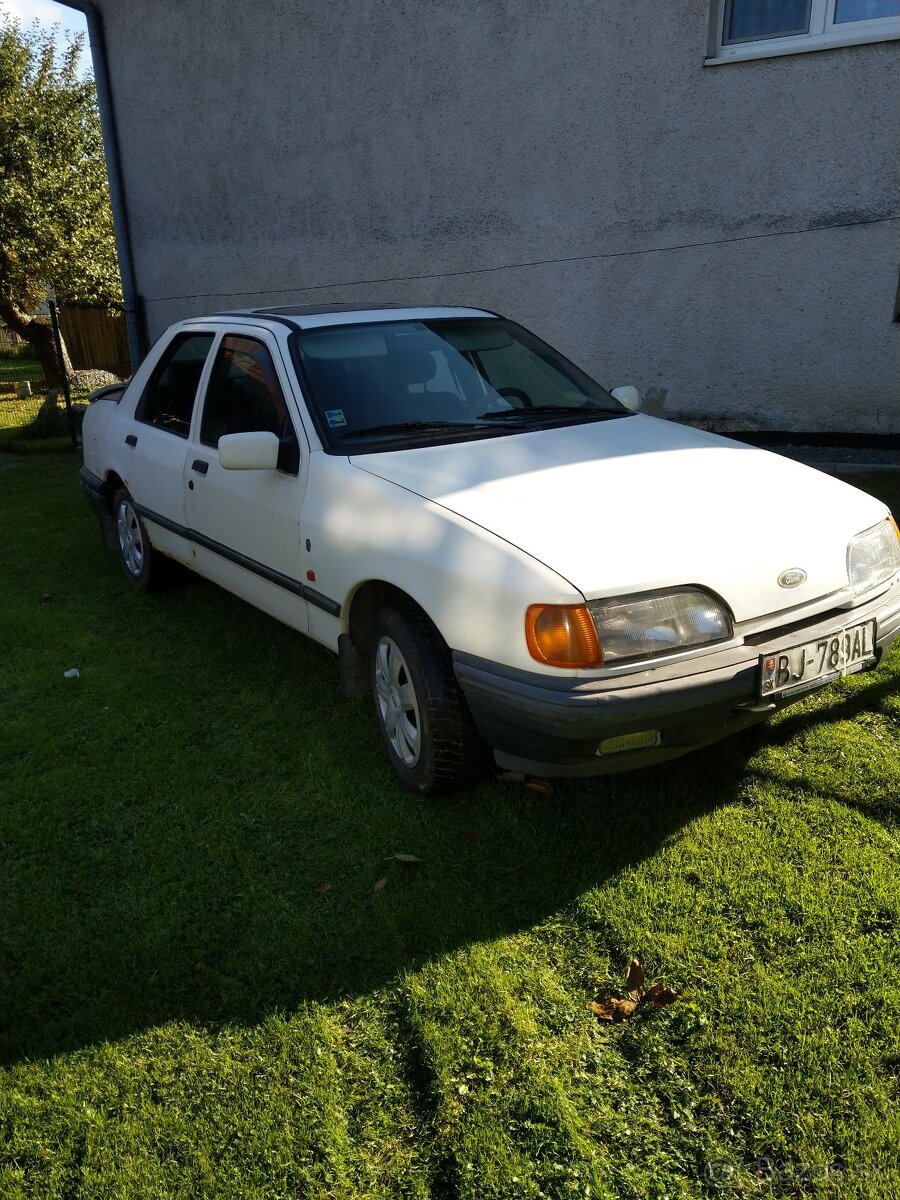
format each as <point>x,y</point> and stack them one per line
<point>814,663</point>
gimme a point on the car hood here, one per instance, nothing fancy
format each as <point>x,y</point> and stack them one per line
<point>637,503</point>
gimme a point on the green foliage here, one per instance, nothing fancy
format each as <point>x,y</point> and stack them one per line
<point>55,217</point>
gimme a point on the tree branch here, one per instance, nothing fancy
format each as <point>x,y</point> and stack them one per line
<point>13,316</point>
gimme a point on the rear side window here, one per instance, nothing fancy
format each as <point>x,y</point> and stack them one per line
<point>168,399</point>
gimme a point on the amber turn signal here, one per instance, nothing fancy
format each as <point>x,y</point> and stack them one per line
<point>562,635</point>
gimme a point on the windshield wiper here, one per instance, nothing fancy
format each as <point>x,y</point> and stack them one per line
<point>410,427</point>
<point>546,410</point>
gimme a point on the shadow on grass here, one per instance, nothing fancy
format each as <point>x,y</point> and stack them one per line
<point>810,727</point>
<point>798,721</point>
<point>200,820</point>
<point>173,874</point>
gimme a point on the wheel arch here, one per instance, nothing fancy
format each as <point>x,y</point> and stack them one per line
<point>353,644</point>
<point>111,485</point>
<point>103,502</point>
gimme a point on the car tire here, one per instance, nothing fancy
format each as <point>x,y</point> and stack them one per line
<point>140,562</point>
<point>431,740</point>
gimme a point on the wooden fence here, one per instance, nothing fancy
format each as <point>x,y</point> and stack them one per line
<point>96,340</point>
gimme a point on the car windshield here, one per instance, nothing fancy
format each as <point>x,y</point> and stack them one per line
<point>409,383</point>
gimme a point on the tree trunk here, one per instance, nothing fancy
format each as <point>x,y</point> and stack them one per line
<point>40,336</point>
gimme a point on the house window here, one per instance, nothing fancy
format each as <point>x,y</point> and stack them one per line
<point>752,20</point>
<point>742,29</point>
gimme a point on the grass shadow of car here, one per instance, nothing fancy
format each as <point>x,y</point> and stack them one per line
<point>183,804</point>
<point>210,852</point>
<point>829,765</point>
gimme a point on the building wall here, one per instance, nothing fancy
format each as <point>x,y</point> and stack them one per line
<point>725,238</point>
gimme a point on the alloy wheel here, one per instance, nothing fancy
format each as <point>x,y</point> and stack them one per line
<point>131,545</point>
<point>397,702</point>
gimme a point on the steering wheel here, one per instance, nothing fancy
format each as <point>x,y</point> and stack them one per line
<point>514,393</point>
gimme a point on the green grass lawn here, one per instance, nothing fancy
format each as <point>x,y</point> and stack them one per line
<point>18,412</point>
<point>19,364</point>
<point>188,1011</point>
<point>22,432</point>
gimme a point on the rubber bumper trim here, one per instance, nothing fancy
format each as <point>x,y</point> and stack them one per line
<point>555,723</point>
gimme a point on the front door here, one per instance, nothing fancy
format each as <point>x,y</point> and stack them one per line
<point>245,525</point>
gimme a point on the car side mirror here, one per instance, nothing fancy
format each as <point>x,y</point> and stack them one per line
<point>248,451</point>
<point>629,396</point>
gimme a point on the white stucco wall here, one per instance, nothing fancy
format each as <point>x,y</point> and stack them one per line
<point>573,165</point>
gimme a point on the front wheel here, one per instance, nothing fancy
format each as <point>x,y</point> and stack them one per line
<point>430,738</point>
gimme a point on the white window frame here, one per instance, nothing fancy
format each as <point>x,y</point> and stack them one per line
<point>823,34</point>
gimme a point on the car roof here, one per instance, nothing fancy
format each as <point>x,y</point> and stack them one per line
<point>310,316</point>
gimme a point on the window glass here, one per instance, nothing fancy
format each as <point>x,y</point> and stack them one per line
<point>747,20</point>
<point>865,10</point>
<point>168,399</point>
<point>447,378</point>
<point>767,28</point>
<point>244,395</point>
<point>515,369</point>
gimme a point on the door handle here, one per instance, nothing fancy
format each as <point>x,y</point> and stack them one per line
<point>131,440</point>
<point>200,466</point>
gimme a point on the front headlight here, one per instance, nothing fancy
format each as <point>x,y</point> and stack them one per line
<point>657,623</point>
<point>873,556</point>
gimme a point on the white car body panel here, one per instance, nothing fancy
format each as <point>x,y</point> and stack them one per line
<point>474,586</point>
<point>637,504</point>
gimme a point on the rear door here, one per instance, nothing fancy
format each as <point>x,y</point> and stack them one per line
<point>155,442</point>
<point>245,525</point>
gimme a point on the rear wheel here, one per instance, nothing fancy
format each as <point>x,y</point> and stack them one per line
<point>139,560</point>
<point>430,738</point>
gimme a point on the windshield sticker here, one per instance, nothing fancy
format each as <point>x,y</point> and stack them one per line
<point>335,417</point>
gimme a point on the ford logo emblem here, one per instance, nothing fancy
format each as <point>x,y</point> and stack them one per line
<point>792,577</point>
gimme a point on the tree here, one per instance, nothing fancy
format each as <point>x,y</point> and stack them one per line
<point>56,226</point>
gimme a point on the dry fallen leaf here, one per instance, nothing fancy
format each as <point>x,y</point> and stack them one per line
<point>661,996</point>
<point>473,835</point>
<point>541,786</point>
<point>406,857</point>
<point>612,1009</point>
<point>322,889</point>
<point>634,980</point>
<point>380,884</point>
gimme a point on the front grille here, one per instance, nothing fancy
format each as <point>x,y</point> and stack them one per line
<point>772,634</point>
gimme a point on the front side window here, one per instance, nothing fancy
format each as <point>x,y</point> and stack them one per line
<point>743,29</point>
<point>168,399</point>
<point>405,383</point>
<point>244,394</point>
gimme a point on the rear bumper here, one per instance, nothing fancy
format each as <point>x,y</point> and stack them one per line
<point>549,726</point>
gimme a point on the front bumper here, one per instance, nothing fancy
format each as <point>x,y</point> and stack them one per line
<point>553,726</point>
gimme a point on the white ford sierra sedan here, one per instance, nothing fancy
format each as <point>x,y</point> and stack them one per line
<point>510,557</point>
